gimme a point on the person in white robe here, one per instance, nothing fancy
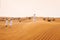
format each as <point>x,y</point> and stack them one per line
<point>6,23</point>
<point>34,17</point>
<point>10,22</point>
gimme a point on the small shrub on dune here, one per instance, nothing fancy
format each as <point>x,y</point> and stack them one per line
<point>29,18</point>
<point>19,20</point>
<point>43,18</point>
<point>53,19</point>
<point>49,20</point>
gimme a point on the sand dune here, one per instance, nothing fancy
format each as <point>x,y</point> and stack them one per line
<point>27,29</point>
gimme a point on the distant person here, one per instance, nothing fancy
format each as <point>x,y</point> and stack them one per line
<point>34,17</point>
<point>6,24</point>
<point>10,22</point>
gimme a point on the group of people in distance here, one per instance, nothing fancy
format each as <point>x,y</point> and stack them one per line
<point>8,22</point>
<point>34,19</point>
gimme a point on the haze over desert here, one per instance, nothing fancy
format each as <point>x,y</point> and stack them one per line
<point>29,19</point>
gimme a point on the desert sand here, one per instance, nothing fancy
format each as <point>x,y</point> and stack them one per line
<point>27,29</point>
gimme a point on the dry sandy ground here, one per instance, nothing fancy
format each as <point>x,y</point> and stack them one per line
<point>30,30</point>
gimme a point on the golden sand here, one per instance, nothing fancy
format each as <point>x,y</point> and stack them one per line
<point>27,29</point>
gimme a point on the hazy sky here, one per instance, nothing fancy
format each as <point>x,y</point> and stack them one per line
<point>23,8</point>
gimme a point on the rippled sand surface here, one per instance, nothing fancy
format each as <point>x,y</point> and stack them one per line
<point>27,29</point>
